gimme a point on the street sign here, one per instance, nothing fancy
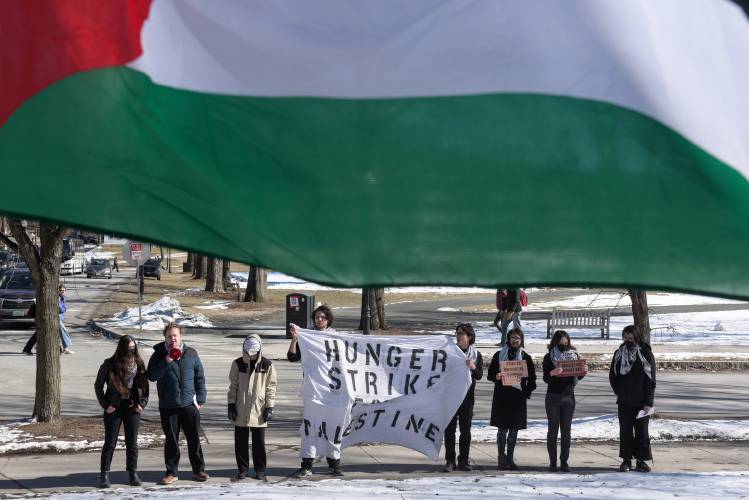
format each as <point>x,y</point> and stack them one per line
<point>135,251</point>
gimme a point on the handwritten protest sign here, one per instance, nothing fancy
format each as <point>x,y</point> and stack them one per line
<point>362,389</point>
<point>513,371</point>
<point>571,368</point>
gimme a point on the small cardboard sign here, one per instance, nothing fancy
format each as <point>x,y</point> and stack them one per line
<point>513,371</point>
<point>571,368</point>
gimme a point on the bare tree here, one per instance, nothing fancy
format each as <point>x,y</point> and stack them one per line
<point>257,285</point>
<point>375,298</point>
<point>225,274</point>
<point>213,280</point>
<point>640,312</point>
<point>200,264</point>
<point>44,263</point>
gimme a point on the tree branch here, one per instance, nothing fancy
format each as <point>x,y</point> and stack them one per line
<point>9,243</point>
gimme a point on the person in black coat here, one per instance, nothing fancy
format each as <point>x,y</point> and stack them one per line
<point>465,337</point>
<point>560,398</point>
<point>632,377</point>
<point>127,394</point>
<point>509,404</point>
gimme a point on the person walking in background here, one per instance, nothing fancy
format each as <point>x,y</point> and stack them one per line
<point>500,302</point>
<point>65,339</point>
<point>632,377</point>
<point>126,396</point>
<point>114,265</point>
<point>510,402</point>
<point>180,382</point>
<point>560,398</point>
<point>251,397</point>
<point>322,318</point>
<point>465,337</point>
<point>513,308</point>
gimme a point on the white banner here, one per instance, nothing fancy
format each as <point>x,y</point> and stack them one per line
<point>364,389</point>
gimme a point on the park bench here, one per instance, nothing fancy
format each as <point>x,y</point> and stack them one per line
<point>598,319</point>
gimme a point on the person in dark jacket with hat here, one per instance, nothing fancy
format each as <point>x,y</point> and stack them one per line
<point>510,402</point>
<point>632,377</point>
<point>180,381</point>
<point>560,398</point>
<point>124,374</point>
<point>465,337</point>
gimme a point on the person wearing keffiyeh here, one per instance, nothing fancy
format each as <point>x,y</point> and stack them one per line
<point>632,377</point>
<point>510,403</point>
<point>560,398</point>
<point>465,337</point>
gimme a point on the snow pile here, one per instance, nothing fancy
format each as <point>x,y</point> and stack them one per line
<point>584,486</point>
<point>449,309</point>
<point>14,440</point>
<point>157,315</point>
<point>606,428</point>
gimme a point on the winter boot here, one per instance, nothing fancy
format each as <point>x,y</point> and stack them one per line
<point>104,480</point>
<point>134,479</point>
<point>626,465</point>
<point>642,466</point>
<point>502,462</point>
<point>510,454</point>
<point>566,467</point>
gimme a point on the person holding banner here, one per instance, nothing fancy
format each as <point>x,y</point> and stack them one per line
<point>323,321</point>
<point>514,377</point>
<point>632,377</point>
<point>465,337</point>
<point>561,375</point>
<point>251,397</point>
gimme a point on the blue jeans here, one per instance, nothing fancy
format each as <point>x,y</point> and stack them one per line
<point>515,320</point>
<point>65,336</point>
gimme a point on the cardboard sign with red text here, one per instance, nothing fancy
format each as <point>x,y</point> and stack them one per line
<point>571,368</point>
<point>513,371</point>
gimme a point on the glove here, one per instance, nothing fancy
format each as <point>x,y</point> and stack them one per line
<point>232,414</point>
<point>175,353</point>
<point>267,414</point>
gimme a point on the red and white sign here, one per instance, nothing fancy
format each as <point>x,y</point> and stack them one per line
<point>135,250</point>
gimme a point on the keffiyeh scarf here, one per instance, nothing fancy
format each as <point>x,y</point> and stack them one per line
<point>624,359</point>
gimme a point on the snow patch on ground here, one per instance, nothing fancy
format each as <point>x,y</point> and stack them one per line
<point>690,328</point>
<point>603,427</point>
<point>213,305</point>
<point>614,299</point>
<point>585,486</point>
<point>15,440</point>
<point>157,315</point>
<point>449,309</point>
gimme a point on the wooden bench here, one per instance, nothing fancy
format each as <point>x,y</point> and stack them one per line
<point>562,319</point>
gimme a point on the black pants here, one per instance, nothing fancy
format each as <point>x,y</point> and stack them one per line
<point>186,418</point>
<point>637,445</point>
<point>30,344</point>
<point>124,414</point>
<point>463,418</point>
<point>242,451</point>
<point>506,439</point>
<point>560,408</point>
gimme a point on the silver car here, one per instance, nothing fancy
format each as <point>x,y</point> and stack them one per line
<point>99,268</point>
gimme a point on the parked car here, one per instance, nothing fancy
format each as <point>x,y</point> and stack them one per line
<point>99,268</point>
<point>17,296</point>
<point>151,268</point>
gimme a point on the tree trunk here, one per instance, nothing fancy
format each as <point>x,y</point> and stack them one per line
<point>257,285</point>
<point>640,312</point>
<point>213,282</point>
<point>375,297</point>
<point>44,264</point>
<point>188,263</point>
<point>200,265</point>
<point>225,274</point>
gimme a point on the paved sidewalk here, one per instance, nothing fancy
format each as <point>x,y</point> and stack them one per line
<point>45,474</point>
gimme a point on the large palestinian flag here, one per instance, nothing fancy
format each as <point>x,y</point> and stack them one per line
<point>350,142</point>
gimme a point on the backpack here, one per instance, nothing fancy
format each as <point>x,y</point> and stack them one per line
<point>523,298</point>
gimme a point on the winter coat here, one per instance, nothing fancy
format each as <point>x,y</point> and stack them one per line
<point>635,389</point>
<point>510,405</point>
<point>63,306</point>
<point>251,389</point>
<point>178,382</point>
<point>558,385</point>
<point>476,374</point>
<point>138,393</point>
